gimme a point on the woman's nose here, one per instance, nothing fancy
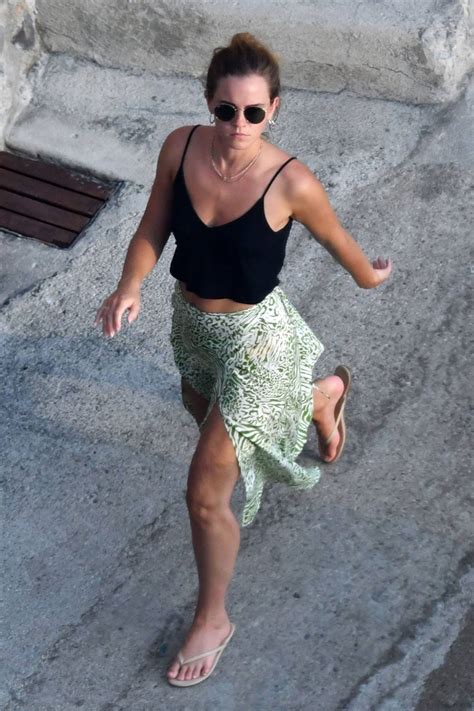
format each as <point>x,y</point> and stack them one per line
<point>239,119</point>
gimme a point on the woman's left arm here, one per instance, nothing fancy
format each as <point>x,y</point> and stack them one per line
<point>310,206</point>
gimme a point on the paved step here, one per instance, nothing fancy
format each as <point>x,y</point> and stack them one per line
<point>407,51</point>
<point>410,52</point>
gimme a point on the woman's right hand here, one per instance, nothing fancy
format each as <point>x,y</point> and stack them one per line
<point>126,296</point>
<point>382,268</point>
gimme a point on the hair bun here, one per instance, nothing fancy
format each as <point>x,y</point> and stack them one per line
<point>244,55</point>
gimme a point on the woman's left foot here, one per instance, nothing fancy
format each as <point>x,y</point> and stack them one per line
<point>323,414</point>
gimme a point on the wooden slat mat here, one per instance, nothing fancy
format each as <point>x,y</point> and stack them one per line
<point>47,202</point>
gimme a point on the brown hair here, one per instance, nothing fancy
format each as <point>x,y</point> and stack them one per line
<point>244,55</point>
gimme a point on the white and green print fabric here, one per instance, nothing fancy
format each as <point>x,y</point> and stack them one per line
<point>258,364</point>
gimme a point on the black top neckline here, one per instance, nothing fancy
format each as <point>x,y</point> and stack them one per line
<point>237,219</point>
<point>240,217</point>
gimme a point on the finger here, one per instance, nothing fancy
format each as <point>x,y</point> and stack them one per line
<point>108,323</point>
<point>133,313</point>
<point>112,324</point>
<point>117,321</point>
<point>98,317</point>
<point>100,311</point>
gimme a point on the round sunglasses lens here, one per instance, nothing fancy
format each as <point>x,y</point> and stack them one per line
<point>254,114</point>
<point>224,112</point>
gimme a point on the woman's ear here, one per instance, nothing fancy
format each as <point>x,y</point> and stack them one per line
<point>275,106</point>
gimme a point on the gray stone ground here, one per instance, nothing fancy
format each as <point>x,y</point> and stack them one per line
<point>355,595</point>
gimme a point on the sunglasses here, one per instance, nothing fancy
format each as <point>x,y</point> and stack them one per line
<point>226,112</point>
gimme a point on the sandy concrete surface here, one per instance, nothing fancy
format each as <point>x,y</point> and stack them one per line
<point>355,595</point>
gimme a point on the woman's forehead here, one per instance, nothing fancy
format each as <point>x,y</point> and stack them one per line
<point>249,89</point>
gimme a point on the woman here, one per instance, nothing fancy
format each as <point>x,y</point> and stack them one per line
<point>244,353</point>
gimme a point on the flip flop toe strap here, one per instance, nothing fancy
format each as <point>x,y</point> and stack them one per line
<point>182,660</point>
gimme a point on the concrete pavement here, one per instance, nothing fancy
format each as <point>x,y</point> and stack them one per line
<point>355,595</point>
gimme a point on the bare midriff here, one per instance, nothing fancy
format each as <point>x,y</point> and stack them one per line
<point>212,306</point>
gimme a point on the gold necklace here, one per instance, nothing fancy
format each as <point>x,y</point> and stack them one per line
<point>238,175</point>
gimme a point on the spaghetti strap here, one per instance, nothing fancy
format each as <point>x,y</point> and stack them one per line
<point>187,144</point>
<point>280,168</point>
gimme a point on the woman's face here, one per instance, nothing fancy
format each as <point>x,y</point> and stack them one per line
<point>241,92</point>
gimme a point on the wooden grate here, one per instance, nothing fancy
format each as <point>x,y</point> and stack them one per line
<point>47,202</point>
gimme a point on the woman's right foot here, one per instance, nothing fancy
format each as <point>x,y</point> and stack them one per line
<point>323,414</point>
<point>201,637</point>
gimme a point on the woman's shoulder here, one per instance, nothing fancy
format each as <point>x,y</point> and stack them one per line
<point>294,174</point>
<point>298,183</point>
<point>182,132</point>
<point>294,168</point>
<point>177,137</point>
<point>173,146</point>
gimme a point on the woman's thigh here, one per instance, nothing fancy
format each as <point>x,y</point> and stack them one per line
<point>214,468</point>
<point>193,401</point>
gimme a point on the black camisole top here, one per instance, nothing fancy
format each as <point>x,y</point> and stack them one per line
<point>239,260</point>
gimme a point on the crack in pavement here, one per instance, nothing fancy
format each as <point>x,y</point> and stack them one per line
<point>365,691</point>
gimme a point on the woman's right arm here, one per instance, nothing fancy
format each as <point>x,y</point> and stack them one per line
<point>148,242</point>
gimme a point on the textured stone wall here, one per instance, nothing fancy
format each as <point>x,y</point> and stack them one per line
<point>411,52</point>
<point>408,51</point>
<point>20,48</point>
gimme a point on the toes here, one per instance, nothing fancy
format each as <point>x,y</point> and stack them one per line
<point>173,670</point>
<point>328,450</point>
<point>193,671</point>
<point>205,670</point>
<point>183,672</point>
<point>198,671</point>
<point>177,671</point>
<point>332,448</point>
<point>190,671</point>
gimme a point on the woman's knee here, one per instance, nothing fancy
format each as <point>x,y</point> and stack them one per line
<point>210,485</point>
<point>213,473</point>
<point>204,506</point>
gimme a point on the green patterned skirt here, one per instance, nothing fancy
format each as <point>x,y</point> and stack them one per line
<point>257,363</point>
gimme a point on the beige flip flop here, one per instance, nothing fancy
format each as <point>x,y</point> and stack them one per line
<point>345,374</point>
<point>182,660</point>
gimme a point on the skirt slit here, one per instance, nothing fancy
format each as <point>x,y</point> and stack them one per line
<point>258,364</point>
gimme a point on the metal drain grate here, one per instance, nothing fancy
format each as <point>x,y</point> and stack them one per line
<point>47,202</point>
